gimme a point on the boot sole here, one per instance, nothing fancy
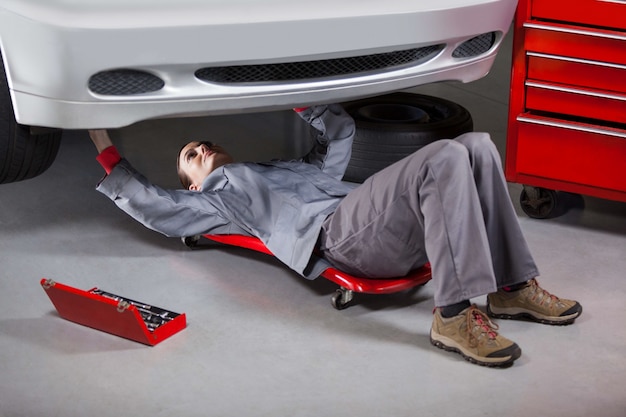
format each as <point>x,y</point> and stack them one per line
<point>512,314</point>
<point>452,346</point>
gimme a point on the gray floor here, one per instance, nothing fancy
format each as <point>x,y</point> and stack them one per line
<point>260,340</point>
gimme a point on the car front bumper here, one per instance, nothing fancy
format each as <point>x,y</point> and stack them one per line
<point>52,52</point>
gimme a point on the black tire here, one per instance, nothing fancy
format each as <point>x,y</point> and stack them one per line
<point>393,126</point>
<point>23,155</point>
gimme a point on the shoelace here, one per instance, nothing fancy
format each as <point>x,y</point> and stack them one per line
<point>542,295</point>
<point>475,317</point>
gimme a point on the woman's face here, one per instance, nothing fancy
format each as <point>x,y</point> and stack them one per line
<point>198,159</point>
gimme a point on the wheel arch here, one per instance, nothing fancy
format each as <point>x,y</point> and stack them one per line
<point>25,152</point>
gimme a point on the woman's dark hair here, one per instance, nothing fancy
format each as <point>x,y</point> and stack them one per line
<point>184,179</point>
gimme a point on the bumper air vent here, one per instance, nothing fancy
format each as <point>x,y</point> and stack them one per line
<point>124,82</point>
<point>321,69</point>
<point>476,46</point>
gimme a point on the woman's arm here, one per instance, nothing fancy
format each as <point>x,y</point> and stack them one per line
<point>171,212</point>
<point>333,146</point>
<point>101,139</point>
<point>108,156</point>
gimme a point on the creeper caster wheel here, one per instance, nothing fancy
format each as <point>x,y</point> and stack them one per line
<point>342,298</point>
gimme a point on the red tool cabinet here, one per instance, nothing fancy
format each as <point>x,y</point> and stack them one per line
<point>567,111</point>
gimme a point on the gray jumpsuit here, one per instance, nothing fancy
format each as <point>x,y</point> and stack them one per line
<point>447,203</point>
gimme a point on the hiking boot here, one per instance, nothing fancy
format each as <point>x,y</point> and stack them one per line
<point>475,337</point>
<point>534,303</point>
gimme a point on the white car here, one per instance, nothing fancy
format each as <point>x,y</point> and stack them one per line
<point>79,64</point>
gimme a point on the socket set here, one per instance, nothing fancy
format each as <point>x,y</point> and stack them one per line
<point>153,317</point>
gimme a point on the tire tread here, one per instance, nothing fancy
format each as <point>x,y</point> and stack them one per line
<point>22,154</point>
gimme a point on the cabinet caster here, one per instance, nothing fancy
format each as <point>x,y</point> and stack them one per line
<point>538,203</point>
<point>342,298</point>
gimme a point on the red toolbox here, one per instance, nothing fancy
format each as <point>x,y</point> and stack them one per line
<point>567,111</point>
<point>114,314</point>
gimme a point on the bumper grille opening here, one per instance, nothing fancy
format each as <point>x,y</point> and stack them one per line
<point>320,69</point>
<point>124,82</point>
<point>476,46</point>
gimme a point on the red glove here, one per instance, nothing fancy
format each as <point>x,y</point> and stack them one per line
<point>109,158</point>
<point>300,109</point>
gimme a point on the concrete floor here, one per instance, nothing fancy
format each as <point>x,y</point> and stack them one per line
<point>261,341</point>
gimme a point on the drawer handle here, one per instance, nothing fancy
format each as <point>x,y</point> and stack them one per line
<point>574,31</point>
<point>577,60</point>
<point>562,125</point>
<point>574,91</point>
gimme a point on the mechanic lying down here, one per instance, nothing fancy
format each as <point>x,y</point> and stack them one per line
<point>446,204</point>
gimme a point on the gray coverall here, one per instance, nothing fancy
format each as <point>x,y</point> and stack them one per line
<point>447,204</point>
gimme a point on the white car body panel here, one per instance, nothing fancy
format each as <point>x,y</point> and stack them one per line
<point>51,48</point>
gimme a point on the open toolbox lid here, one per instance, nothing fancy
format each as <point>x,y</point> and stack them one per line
<point>114,314</point>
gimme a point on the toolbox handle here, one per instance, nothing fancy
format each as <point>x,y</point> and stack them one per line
<point>579,91</point>
<point>577,60</point>
<point>571,126</point>
<point>584,32</point>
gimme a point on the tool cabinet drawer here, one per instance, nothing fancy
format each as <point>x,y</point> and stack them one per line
<point>604,13</point>
<point>571,152</point>
<point>577,72</point>
<point>576,42</point>
<point>578,102</point>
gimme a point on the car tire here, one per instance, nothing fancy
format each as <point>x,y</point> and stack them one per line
<point>392,126</point>
<point>23,155</point>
